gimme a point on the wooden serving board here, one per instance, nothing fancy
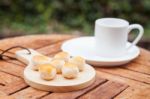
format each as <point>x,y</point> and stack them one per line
<point>59,83</point>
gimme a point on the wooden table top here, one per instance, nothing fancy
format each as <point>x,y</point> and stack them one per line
<point>131,81</point>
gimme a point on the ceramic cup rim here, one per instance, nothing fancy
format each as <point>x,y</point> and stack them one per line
<point>102,22</point>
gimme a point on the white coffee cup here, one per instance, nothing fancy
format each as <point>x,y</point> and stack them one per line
<point>111,36</point>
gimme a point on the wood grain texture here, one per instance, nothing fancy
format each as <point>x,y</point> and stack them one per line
<point>143,57</point>
<point>135,86</point>
<point>14,87</point>
<point>5,79</point>
<point>16,62</point>
<point>106,91</point>
<point>48,50</point>
<point>7,97</point>
<point>138,67</point>
<point>32,41</point>
<point>10,83</point>
<point>2,93</point>
<point>117,78</point>
<point>135,93</point>
<point>127,73</point>
<point>11,68</point>
<point>29,93</point>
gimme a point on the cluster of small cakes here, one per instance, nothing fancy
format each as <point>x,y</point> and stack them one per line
<point>61,63</point>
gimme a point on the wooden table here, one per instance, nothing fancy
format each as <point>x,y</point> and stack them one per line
<point>131,81</point>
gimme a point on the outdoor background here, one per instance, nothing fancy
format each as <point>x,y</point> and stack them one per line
<point>24,17</point>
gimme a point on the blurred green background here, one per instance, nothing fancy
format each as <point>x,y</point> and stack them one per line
<point>21,17</point>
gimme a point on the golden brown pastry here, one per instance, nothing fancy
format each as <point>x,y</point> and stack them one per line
<point>47,71</point>
<point>79,61</point>
<point>57,63</point>
<point>70,70</point>
<point>38,60</point>
<point>62,55</point>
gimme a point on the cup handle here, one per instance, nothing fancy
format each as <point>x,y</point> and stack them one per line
<point>141,31</point>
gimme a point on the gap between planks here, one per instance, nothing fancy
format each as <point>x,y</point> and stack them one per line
<point>127,74</point>
<point>107,90</point>
<point>135,88</point>
<point>135,93</point>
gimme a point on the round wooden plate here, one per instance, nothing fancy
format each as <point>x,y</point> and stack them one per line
<point>59,83</point>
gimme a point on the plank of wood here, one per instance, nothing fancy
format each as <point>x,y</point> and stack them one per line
<point>107,90</point>
<point>11,69</point>
<point>5,79</point>
<point>144,53</point>
<point>10,83</point>
<point>2,93</point>
<point>135,93</point>
<point>142,62</point>
<point>29,93</point>
<point>134,85</point>
<point>14,86</point>
<point>143,57</point>
<point>7,97</point>
<point>145,62</point>
<point>117,78</point>
<point>75,94</point>
<point>127,73</point>
<point>16,62</point>
<point>138,67</point>
<point>32,41</point>
<point>47,50</point>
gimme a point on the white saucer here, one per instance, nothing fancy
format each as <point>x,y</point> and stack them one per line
<point>84,46</point>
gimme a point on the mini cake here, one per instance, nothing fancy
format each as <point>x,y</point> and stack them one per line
<point>70,70</point>
<point>38,60</point>
<point>57,63</point>
<point>79,61</point>
<point>63,56</point>
<point>47,71</point>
